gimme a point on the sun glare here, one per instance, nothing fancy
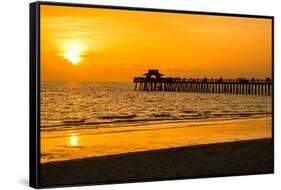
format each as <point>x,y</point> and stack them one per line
<point>73,140</point>
<point>72,57</point>
<point>73,51</point>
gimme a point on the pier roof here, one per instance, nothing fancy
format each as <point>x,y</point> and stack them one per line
<point>153,72</point>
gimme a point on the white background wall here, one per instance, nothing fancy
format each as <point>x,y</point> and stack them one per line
<point>14,92</point>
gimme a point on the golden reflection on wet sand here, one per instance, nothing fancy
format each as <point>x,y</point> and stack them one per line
<point>62,145</point>
<point>73,139</point>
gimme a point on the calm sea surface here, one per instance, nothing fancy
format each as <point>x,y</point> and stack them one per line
<point>75,105</point>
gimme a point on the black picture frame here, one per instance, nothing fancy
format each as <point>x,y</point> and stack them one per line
<point>34,85</point>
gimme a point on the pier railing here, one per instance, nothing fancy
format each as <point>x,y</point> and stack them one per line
<point>232,86</point>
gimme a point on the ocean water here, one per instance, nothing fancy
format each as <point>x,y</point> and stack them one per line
<point>78,105</point>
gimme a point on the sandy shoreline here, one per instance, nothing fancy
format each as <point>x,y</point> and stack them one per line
<point>69,145</point>
<point>232,158</point>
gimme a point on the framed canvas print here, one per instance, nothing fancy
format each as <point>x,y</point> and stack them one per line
<point>121,94</point>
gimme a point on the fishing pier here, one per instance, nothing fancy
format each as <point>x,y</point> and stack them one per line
<point>154,81</point>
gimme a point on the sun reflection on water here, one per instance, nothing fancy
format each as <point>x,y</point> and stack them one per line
<point>73,139</point>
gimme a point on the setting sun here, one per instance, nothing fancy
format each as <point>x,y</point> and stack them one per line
<point>72,57</point>
<point>73,50</point>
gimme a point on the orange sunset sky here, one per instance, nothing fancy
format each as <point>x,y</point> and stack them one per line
<point>102,45</point>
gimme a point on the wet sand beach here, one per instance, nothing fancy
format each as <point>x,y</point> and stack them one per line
<point>232,158</point>
<point>89,142</point>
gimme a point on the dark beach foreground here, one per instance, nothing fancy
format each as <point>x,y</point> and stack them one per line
<point>233,158</point>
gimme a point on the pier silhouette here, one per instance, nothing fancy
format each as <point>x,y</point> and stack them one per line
<point>153,80</point>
